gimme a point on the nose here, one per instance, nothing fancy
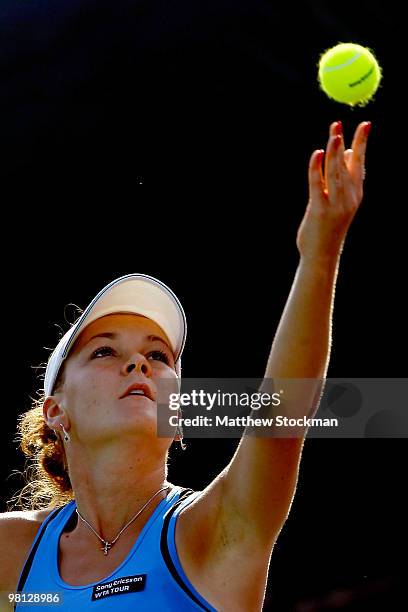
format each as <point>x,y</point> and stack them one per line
<point>139,364</point>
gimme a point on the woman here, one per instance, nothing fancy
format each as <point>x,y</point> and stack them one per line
<point>115,529</point>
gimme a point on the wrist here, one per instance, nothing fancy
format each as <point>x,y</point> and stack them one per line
<point>320,264</point>
<point>324,258</point>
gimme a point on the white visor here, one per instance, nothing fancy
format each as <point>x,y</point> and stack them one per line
<point>136,294</point>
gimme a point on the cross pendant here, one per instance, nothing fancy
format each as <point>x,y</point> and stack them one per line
<point>106,546</point>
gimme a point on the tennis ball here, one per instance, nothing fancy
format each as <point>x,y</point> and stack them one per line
<point>349,73</point>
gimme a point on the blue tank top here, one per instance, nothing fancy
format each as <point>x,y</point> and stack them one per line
<point>150,578</point>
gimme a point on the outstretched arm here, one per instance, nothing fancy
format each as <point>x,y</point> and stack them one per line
<point>259,482</point>
<point>301,347</point>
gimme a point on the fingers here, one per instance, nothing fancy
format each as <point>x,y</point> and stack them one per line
<point>347,158</point>
<point>336,172</point>
<point>316,181</point>
<point>357,159</point>
<point>336,130</point>
<point>343,169</point>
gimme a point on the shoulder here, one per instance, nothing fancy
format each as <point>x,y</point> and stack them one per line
<point>22,520</point>
<point>17,532</point>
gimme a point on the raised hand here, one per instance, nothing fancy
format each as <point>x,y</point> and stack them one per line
<point>334,195</point>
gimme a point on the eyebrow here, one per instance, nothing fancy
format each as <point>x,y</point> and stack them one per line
<point>114,336</point>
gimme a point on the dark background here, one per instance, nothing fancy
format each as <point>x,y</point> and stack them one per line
<point>173,138</point>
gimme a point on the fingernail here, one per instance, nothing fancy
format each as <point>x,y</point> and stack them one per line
<point>339,128</point>
<point>367,128</point>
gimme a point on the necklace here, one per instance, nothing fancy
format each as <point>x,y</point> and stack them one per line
<point>108,545</point>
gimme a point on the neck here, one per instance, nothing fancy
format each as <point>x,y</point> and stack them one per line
<point>109,492</point>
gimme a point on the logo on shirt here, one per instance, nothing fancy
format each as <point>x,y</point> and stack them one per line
<point>119,586</point>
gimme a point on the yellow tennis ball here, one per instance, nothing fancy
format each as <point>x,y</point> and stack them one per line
<point>349,73</point>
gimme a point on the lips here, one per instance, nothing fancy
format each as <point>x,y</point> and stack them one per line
<point>138,387</point>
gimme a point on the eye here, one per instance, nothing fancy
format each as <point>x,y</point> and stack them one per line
<point>103,350</point>
<point>160,355</point>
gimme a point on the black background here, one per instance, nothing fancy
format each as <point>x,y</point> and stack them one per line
<point>172,138</point>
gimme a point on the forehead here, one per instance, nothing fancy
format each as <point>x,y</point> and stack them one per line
<point>121,323</point>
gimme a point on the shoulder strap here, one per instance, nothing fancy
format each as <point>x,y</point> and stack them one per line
<point>164,547</point>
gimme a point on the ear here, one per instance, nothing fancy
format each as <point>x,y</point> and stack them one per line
<point>53,410</point>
